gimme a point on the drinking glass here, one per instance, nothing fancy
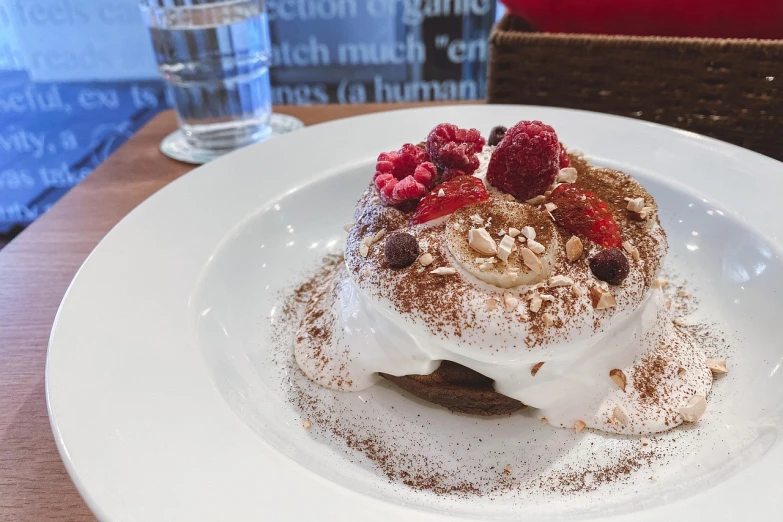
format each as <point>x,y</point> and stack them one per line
<point>214,56</point>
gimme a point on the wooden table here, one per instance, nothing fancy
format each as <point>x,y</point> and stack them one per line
<point>35,270</point>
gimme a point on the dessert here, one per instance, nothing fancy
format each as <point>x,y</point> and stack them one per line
<point>490,277</point>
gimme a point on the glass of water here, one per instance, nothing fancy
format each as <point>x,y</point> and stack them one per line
<point>214,55</point>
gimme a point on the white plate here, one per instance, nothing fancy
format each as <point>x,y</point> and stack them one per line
<point>165,405</point>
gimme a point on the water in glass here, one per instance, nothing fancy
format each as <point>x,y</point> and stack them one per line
<point>215,56</point>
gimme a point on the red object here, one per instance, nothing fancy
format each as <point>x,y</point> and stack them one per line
<point>454,150</point>
<point>403,175</point>
<point>581,212</point>
<point>565,162</point>
<point>457,193</point>
<point>526,160</point>
<point>706,18</point>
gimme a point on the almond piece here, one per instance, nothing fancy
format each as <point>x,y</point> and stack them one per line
<point>635,204</point>
<point>601,299</point>
<point>443,271</point>
<point>514,232</point>
<point>477,220</point>
<point>510,302</point>
<point>560,280</point>
<point>544,420</point>
<point>681,371</point>
<point>507,469</point>
<point>306,424</point>
<point>529,232</point>
<point>566,175</point>
<point>535,368</point>
<point>348,226</point>
<point>574,249</point>
<point>531,260</point>
<point>441,193</point>
<point>660,282</point>
<point>364,248</point>
<point>426,259</point>
<point>548,319</point>
<point>694,409</point>
<point>619,415</point>
<point>535,246</point>
<point>535,304</point>
<point>505,248</point>
<point>536,200</point>
<point>718,366</point>
<point>618,377</point>
<point>491,303</point>
<point>579,426</point>
<point>480,241</point>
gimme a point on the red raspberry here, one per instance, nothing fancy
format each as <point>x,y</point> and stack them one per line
<point>457,192</point>
<point>565,162</point>
<point>526,162</point>
<point>403,175</point>
<point>454,150</point>
<point>581,212</point>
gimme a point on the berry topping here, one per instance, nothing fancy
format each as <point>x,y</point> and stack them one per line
<point>401,250</point>
<point>403,177</point>
<point>526,162</point>
<point>581,212</point>
<point>457,193</point>
<point>495,135</point>
<point>565,162</point>
<point>454,150</point>
<point>610,265</point>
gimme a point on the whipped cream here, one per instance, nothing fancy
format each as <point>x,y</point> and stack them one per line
<point>370,331</point>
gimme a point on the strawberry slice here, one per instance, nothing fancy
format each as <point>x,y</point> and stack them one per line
<point>457,193</point>
<point>584,214</point>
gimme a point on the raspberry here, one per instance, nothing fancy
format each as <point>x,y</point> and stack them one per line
<point>526,162</point>
<point>564,160</point>
<point>581,212</point>
<point>457,192</point>
<point>403,176</point>
<point>454,150</point>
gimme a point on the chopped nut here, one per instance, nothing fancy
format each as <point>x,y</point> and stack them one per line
<point>510,302</point>
<point>507,469</point>
<point>547,297</point>
<point>306,424</point>
<point>535,368</point>
<point>694,409</point>
<point>601,298</point>
<point>491,303</point>
<point>645,441</point>
<point>645,212</point>
<point>566,175</point>
<point>718,366</point>
<point>501,232</point>
<point>536,200</point>
<point>550,207</point>
<point>577,290</point>
<point>560,280</point>
<point>477,220</point>
<point>531,260</point>
<point>628,247</point>
<point>348,226</point>
<point>529,232</point>
<point>618,377</point>
<point>682,294</point>
<point>660,283</point>
<point>678,321</point>
<point>535,246</point>
<point>364,248</point>
<point>480,241</point>
<point>513,232</point>
<point>509,197</point>
<point>579,426</point>
<point>505,248</point>
<point>535,304</point>
<point>456,226</point>
<point>619,415</point>
<point>544,420</point>
<point>681,371</point>
<point>635,205</point>
<point>443,270</point>
<point>574,249</point>
<point>548,320</point>
<point>441,193</point>
<point>378,235</point>
<point>426,259</point>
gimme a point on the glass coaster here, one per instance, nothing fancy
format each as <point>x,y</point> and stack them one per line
<point>175,145</point>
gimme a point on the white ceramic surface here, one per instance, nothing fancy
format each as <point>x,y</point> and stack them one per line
<point>166,404</point>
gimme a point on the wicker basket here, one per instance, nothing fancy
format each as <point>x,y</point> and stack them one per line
<point>727,89</point>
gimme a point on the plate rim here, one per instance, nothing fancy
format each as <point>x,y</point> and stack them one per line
<point>332,132</point>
